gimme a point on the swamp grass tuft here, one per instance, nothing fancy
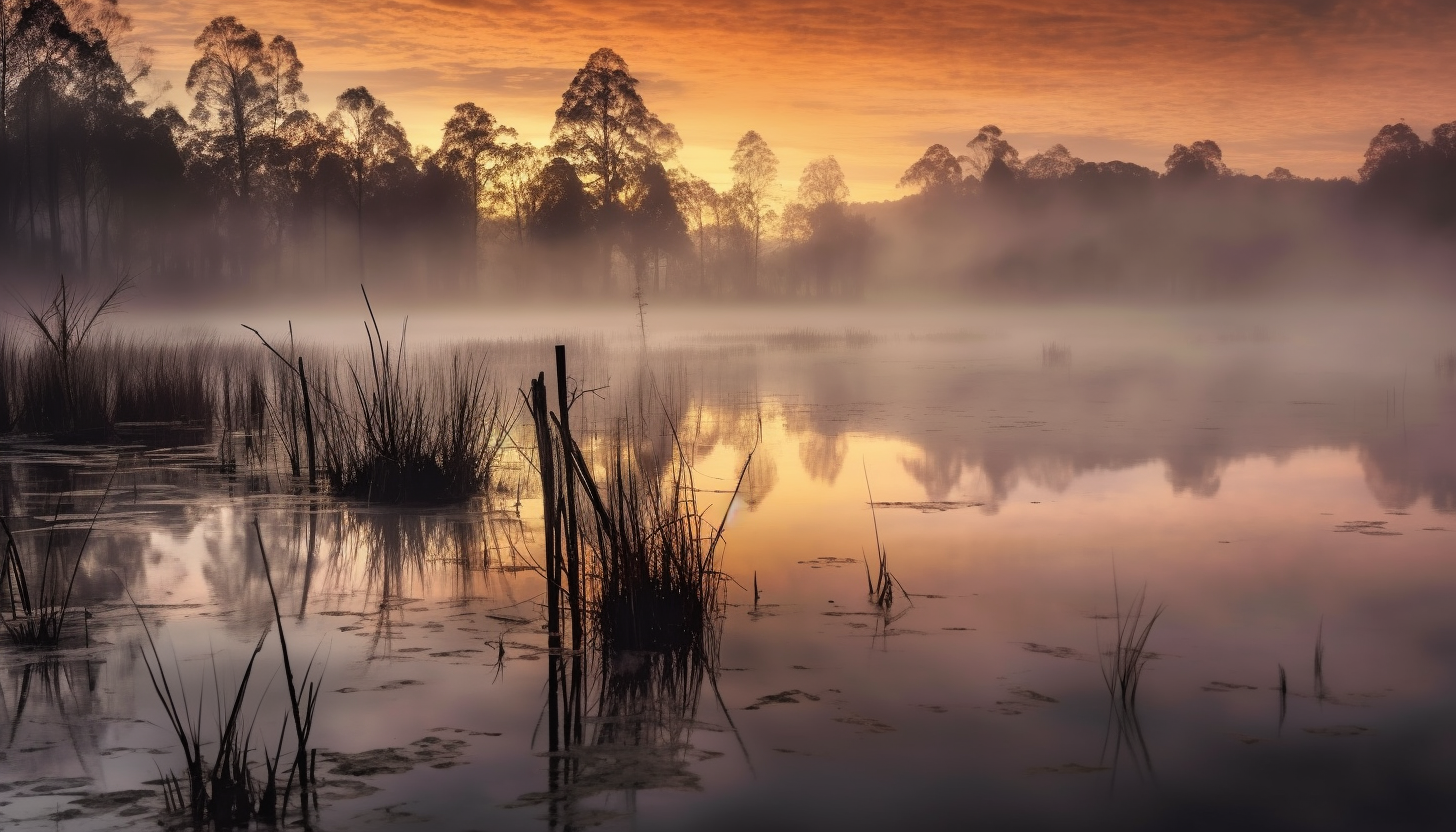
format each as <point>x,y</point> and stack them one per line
<point>1124,662</point>
<point>39,600</point>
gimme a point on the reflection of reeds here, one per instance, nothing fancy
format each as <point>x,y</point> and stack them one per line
<point>226,794</point>
<point>1320,693</point>
<point>639,566</point>
<point>223,794</point>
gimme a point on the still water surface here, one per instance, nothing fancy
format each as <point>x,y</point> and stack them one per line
<point>1275,486</point>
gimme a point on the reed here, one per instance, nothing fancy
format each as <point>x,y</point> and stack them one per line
<point>64,325</point>
<point>1124,662</point>
<point>40,603</point>
<point>225,794</point>
<point>882,584</point>
<point>385,431</point>
<point>639,562</point>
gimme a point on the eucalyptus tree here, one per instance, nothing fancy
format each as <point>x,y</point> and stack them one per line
<point>695,199</point>
<point>937,171</point>
<point>471,141</point>
<point>991,155</point>
<point>370,138</point>
<point>511,186</point>
<point>1056,162</point>
<point>656,224</point>
<point>604,128</point>
<point>755,184</point>
<point>238,86</point>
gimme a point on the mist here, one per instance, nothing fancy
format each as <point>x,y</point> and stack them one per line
<point>261,192</point>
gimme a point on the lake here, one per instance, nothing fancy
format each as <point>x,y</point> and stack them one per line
<point>1278,484</point>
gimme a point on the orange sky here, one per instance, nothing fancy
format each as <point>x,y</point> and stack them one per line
<point>1298,83</point>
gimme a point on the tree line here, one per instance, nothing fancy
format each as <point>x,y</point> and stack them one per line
<point>251,189</point>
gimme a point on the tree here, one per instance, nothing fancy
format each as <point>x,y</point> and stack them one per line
<point>232,83</point>
<point>822,183</point>
<point>371,139</point>
<point>1196,162</point>
<point>562,220</point>
<point>831,243</point>
<point>989,150</point>
<point>1056,162</point>
<point>755,183</point>
<point>695,198</point>
<point>282,71</point>
<point>1395,146</point>
<point>511,186</point>
<point>605,129</point>
<point>563,206</point>
<point>937,171</point>
<point>656,224</point>
<point>472,138</point>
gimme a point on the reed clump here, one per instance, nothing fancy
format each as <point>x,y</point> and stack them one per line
<point>225,792</point>
<point>659,584</point>
<point>1123,663</point>
<point>388,431</point>
<point>636,557</point>
<point>39,599</point>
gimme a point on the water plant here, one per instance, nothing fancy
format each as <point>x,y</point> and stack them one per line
<point>882,584</point>
<point>390,433</point>
<point>225,794</point>
<point>1124,662</point>
<point>64,325</point>
<point>40,603</point>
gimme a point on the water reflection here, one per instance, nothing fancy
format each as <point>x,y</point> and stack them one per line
<point>1211,475</point>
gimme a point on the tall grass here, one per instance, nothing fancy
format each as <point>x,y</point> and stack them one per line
<point>40,602</point>
<point>64,326</point>
<point>882,584</point>
<point>390,431</point>
<point>225,793</point>
<point>1123,663</point>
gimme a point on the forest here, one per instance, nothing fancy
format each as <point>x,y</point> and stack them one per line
<point>251,190</point>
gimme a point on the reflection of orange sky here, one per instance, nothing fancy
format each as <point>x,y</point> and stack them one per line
<point>1299,83</point>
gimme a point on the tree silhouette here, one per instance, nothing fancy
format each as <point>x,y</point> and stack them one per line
<point>562,220</point>
<point>1056,162</point>
<point>656,224</point>
<point>472,138</point>
<point>511,186</point>
<point>937,171</point>
<point>989,149</point>
<point>755,182</point>
<point>696,199</point>
<point>231,82</point>
<point>1197,162</point>
<point>371,139</point>
<point>605,129</point>
<point>283,70</point>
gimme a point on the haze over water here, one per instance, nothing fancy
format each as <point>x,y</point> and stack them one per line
<point>1271,481</point>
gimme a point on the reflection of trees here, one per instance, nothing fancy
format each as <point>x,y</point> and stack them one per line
<point>55,709</point>
<point>982,430</point>
<point>1403,465</point>
<point>823,456</point>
